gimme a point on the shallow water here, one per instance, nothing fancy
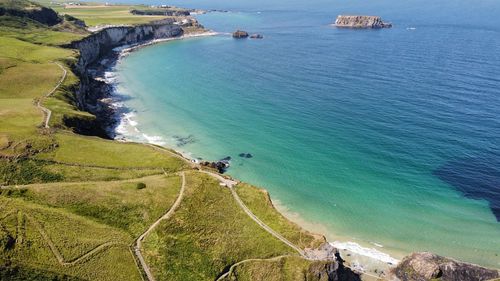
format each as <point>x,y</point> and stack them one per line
<point>382,137</point>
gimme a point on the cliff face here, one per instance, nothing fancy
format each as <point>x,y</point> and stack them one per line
<point>100,43</point>
<point>93,48</point>
<point>427,266</point>
<point>361,22</point>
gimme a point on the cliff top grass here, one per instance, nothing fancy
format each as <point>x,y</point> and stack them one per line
<point>259,202</point>
<point>283,268</point>
<point>95,14</point>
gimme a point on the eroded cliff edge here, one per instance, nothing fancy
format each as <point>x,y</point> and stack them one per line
<point>91,91</point>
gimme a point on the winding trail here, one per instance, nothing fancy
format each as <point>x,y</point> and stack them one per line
<point>47,112</point>
<point>138,243</point>
<point>230,184</point>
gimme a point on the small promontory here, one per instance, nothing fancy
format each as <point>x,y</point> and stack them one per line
<point>357,21</point>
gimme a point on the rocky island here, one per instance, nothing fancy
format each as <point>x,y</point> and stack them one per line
<point>358,21</point>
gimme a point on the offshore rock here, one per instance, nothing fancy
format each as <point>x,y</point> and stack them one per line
<point>427,266</point>
<point>240,34</point>
<point>358,21</point>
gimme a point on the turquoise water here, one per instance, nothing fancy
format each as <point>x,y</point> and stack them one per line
<point>381,137</point>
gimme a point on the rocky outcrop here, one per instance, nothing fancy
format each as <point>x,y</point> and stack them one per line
<point>427,266</point>
<point>92,49</point>
<point>361,22</point>
<point>240,34</point>
<point>40,14</point>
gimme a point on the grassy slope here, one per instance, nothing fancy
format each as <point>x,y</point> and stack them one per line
<point>208,233</point>
<point>282,269</point>
<point>81,216</point>
<point>258,201</point>
<point>99,152</point>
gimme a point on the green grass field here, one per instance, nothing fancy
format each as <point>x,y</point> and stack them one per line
<point>99,14</point>
<point>77,218</point>
<point>208,233</point>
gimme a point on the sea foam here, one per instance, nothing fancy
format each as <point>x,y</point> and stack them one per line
<point>367,252</point>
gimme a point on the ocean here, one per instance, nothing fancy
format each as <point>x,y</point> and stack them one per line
<point>386,141</point>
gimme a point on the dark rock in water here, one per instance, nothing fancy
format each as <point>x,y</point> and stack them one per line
<point>476,178</point>
<point>427,266</point>
<point>240,34</point>
<point>245,155</point>
<point>361,22</point>
<point>227,158</point>
<point>256,36</point>
<point>182,141</point>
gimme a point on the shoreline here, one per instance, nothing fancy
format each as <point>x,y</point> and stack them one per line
<point>363,259</point>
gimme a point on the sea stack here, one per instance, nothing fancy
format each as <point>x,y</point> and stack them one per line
<point>256,36</point>
<point>361,22</point>
<point>240,34</point>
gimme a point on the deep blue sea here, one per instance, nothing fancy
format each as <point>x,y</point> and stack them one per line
<point>386,138</point>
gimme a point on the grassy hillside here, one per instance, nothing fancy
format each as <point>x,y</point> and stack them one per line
<point>258,201</point>
<point>208,233</point>
<point>278,269</point>
<point>72,206</point>
<point>77,218</point>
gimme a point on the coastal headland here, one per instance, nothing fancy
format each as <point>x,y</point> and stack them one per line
<point>77,205</point>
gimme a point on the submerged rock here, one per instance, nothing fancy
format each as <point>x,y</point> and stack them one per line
<point>245,155</point>
<point>240,34</point>
<point>256,36</point>
<point>358,21</point>
<point>427,266</point>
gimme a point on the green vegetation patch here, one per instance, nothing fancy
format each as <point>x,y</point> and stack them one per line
<point>35,228</point>
<point>93,151</point>
<point>34,32</point>
<point>99,14</point>
<point>78,173</point>
<point>208,233</point>
<point>26,171</point>
<point>280,269</point>
<point>259,202</point>
<point>118,203</point>
<point>25,51</point>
